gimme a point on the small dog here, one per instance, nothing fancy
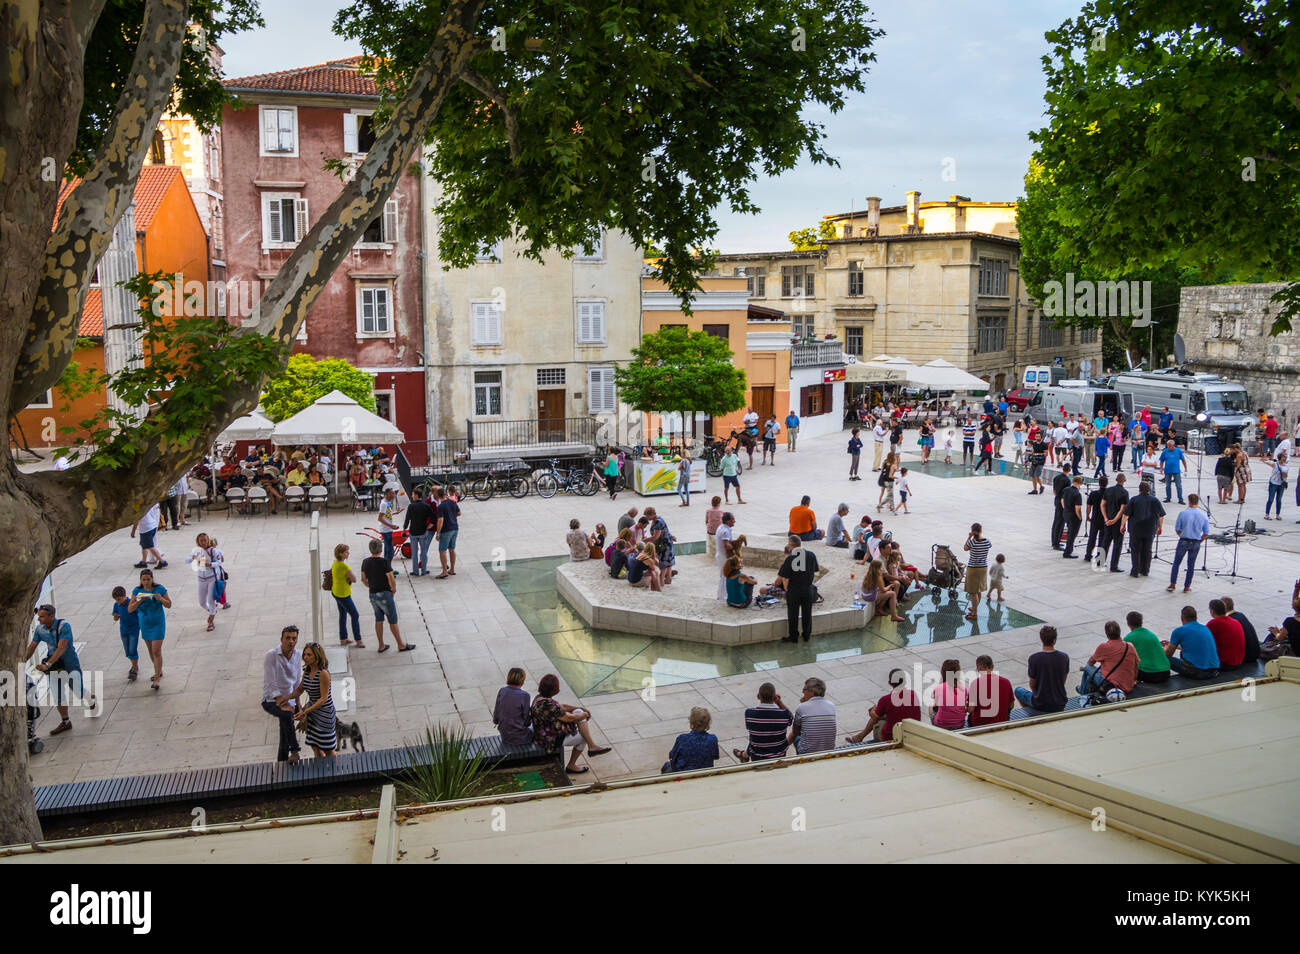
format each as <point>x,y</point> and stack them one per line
<point>351,733</point>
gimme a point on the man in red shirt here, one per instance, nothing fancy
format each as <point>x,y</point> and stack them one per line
<point>1229,637</point>
<point>989,697</point>
<point>1270,437</point>
<point>892,708</point>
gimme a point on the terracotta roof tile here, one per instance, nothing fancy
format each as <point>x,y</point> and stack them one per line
<point>337,77</point>
<point>150,189</point>
<point>92,316</point>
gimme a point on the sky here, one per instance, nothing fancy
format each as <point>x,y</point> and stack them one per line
<point>953,80</point>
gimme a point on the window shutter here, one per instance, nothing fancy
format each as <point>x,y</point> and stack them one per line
<point>299,219</point>
<point>390,221</point>
<point>494,324</point>
<point>597,321</point>
<point>584,321</point>
<point>288,134</point>
<point>381,310</point>
<point>270,131</point>
<point>274,227</point>
<point>350,133</point>
<point>367,309</point>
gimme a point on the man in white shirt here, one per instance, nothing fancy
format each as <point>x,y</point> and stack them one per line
<point>1071,425</point>
<point>751,419</point>
<point>388,511</point>
<point>281,676</point>
<point>878,433</point>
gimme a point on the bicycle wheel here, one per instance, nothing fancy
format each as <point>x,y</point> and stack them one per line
<point>518,486</point>
<point>483,488</point>
<point>547,485</point>
<point>713,466</point>
<point>588,487</point>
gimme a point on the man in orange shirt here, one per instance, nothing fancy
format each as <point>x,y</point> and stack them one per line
<point>803,522</point>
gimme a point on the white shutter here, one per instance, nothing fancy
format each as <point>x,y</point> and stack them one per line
<point>486,323</point>
<point>600,391</point>
<point>367,310</point>
<point>381,310</point>
<point>390,221</point>
<point>288,134</point>
<point>350,133</point>
<point>274,227</point>
<point>597,322</point>
<point>299,219</point>
<point>270,131</point>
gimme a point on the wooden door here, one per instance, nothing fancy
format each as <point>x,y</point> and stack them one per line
<point>550,415</point>
<point>761,399</point>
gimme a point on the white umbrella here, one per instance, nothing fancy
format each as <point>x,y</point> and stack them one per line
<point>941,375</point>
<point>336,419</point>
<point>253,426</point>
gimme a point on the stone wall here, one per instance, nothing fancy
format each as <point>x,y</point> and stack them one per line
<point>1226,330</point>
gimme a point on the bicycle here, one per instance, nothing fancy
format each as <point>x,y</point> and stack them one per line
<point>713,454</point>
<point>574,480</point>
<point>451,482</point>
<point>494,482</point>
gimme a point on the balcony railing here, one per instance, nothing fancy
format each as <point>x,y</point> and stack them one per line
<point>812,354</point>
<point>527,433</point>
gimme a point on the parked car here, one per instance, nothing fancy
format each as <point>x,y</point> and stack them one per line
<point>1020,398</point>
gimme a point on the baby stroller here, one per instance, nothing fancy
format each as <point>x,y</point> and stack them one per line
<point>401,539</point>
<point>946,572</point>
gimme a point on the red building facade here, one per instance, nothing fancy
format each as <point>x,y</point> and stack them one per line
<point>274,150</point>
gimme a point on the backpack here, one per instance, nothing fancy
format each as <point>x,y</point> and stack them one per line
<point>327,580</point>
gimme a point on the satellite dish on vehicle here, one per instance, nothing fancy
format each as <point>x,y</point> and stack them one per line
<point>1085,367</point>
<point>1180,350</point>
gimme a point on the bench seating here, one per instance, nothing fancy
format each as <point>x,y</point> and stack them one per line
<point>75,798</point>
<point>1145,690</point>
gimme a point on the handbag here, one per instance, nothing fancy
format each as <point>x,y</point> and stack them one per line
<point>327,579</point>
<point>1097,695</point>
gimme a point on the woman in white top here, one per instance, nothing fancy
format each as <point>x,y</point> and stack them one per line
<point>1277,482</point>
<point>1150,465</point>
<point>209,560</point>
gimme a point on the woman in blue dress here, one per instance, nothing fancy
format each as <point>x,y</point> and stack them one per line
<point>319,716</point>
<point>149,600</point>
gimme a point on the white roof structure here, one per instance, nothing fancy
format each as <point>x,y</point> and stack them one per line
<point>941,375</point>
<point>253,426</point>
<point>336,419</point>
<point>882,368</point>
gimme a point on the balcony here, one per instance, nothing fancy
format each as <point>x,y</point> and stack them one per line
<point>813,354</point>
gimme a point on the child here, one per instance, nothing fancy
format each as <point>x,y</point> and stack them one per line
<point>128,624</point>
<point>997,574</point>
<point>902,489</point>
<point>219,588</point>
<point>947,448</point>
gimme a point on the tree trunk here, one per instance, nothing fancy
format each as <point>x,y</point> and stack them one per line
<point>26,557</point>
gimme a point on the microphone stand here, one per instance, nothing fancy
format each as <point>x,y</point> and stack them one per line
<point>1236,544</point>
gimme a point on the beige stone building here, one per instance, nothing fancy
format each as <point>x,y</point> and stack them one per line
<point>922,280</point>
<point>523,352</point>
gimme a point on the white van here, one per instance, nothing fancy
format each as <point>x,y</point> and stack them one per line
<point>1077,397</point>
<point>1187,395</point>
<point>1042,375</point>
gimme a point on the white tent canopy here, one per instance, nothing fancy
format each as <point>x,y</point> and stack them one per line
<point>941,375</point>
<point>881,369</point>
<point>336,419</point>
<point>254,426</point>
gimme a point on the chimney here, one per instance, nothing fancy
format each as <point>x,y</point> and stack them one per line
<point>873,215</point>
<point>913,212</point>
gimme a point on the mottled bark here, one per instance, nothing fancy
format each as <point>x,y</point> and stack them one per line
<point>90,213</point>
<point>49,516</point>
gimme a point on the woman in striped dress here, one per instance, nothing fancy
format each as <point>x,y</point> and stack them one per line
<point>318,716</point>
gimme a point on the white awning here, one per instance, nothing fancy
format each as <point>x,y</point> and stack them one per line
<point>336,419</point>
<point>254,426</point>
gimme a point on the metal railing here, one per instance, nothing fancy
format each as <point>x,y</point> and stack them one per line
<point>531,432</point>
<point>811,354</point>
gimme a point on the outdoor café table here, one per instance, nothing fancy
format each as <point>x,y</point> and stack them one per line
<point>370,491</point>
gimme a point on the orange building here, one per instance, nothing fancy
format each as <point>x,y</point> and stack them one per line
<point>759,339</point>
<point>169,237</point>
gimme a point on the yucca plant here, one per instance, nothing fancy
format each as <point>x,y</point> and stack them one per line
<point>442,766</point>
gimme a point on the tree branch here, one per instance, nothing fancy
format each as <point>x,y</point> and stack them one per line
<point>473,78</point>
<point>85,14</point>
<point>95,499</point>
<point>91,212</point>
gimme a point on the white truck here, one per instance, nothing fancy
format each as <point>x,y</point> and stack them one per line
<point>1188,395</point>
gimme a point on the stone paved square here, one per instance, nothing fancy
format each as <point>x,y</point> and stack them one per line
<point>471,628</point>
